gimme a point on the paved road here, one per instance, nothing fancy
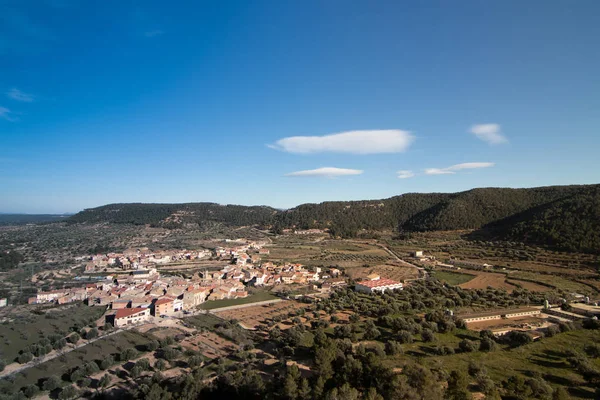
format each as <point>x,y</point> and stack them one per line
<point>8,371</point>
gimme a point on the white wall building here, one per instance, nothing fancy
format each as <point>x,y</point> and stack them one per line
<point>379,285</point>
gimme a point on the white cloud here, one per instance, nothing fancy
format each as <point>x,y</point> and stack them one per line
<point>356,142</point>
<point>154,33</point>
<point>437,171</point>
<point>18,95</point>
<point>458,167</point>
<point>6,114</point>
<point>404,174</point>
<point>327,172</point>
<point>490,133</point>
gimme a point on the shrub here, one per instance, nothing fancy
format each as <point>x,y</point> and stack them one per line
<point>467,346</point>
<point>25,358</point>
<point>487,344</point>
<point>30,391</point>
<point>53,382</point>
<point>392,348</point>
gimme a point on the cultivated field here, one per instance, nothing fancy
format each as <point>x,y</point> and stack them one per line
<point>209,344</point>
<point>62,365</point>
<point>259,295</point>
<point>391,270</point>
<point>325,252</point>
<point>26,325</point>
<point>251,317</point>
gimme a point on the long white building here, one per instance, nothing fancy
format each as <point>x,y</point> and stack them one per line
<point>377,285</point>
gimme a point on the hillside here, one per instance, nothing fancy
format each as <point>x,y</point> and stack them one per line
<point>558,216</point>
<point>475,208</point>
<point>571,224</point>
<point>175,215</point>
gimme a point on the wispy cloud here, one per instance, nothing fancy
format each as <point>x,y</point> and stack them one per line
<point>18,95</point>
<point>490,133</point>
<point>355,142</point>
<point>405,174</point>
<point>154,33</point>
<point>327,172</point>
<point>7,115</point>
<point>458,167</point>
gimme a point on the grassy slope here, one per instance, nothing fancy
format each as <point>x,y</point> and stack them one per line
<point>28,328</point>
<point>546,356</point>
<point>453,278</point>
<point>59,366</point>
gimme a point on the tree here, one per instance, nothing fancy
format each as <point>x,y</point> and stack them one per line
<point>136,372</point>
<point>30,391</point>
<point>160,365</point>
<point>74,338</point>
<point>427,335</point>
<point>487,344</point>
<point>392,348</point>
<point>68,393</point>
<point>91,334</point>
<point>518,338</point>
<point>404,337</point>
<point>108,362</point>
<point>304,389</point>
<point>457,387</point>
<point>467,346</point>
<point>372,394</point>
<point>105,381</point>
<point>52,383</point>
<point>560,393</point>
<point>25,358</point>
<point>593,350</point>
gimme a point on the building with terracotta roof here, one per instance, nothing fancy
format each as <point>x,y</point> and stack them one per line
<point>378,285</point>
<point>129,316</point>
<point>163,306</point>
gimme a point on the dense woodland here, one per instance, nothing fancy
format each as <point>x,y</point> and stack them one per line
<point>563,217</point>
<point>175,215</point>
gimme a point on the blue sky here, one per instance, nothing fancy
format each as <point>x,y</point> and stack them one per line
<point>247,102</point>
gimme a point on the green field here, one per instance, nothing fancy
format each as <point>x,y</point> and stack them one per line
<point>25,326</point>
<point>452,278</point>
<point>253,298</point>
<point>547,357</point>
<point>61,365</point>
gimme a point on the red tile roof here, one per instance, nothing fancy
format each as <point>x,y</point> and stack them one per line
<point>163,301</point>
<point>378,283</point>
<point>126,312</point>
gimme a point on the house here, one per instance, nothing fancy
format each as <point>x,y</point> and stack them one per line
<point>3,302</point>
<point>130,316</point>
<point>194,297</point>
<point>417,253</point>
<point>163,306</point>
<point>378,285</point>
<point>120,304</point>
<point>288,277</point>
<point>264,251</point>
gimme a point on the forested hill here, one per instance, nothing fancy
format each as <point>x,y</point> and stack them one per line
<point>571,224</point>
<point>545,215</point>
<point>176,215</point>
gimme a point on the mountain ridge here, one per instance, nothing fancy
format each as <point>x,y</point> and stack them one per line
<point>486,211</point>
